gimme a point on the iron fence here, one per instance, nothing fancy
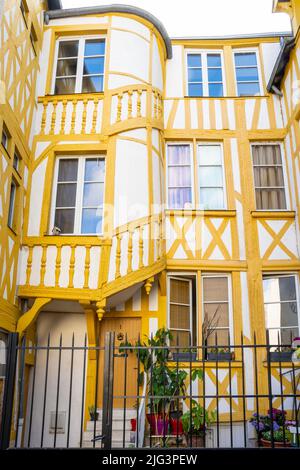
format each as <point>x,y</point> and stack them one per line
<point>148,394</point>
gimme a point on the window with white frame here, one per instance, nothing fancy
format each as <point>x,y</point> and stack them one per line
<point>281,308</point>
<point>80,65</point>
<point>179,176</point>
<point>268,177</point>
<point>247,73</point>
<point>12,204</point>
<point>210,176</point>
<point>79,194</point>
<point>216,299</point>
<point>182,317</point>
<point>5,138</point>
<point>205,74</point>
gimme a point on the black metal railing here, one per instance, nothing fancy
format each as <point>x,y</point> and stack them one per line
<point>147,394</point>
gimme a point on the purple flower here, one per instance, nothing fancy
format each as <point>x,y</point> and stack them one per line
<point>275,426</point>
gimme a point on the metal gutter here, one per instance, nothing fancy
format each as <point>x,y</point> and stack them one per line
<point>115,8</point>
<point>54,4</point>
<point>235,36</point>
<point>280,65</point>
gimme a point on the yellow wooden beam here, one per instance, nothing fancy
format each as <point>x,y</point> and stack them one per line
<point>29,317</point>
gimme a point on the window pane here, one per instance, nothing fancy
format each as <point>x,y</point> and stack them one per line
<point>248,74</point>
<point>270,199</point>
<point>248,89</point>
<point>287,288</point>
<point>266,155</point>
<point>93,194</point>
<point>281,314</point>
<point>179,317</point>
<point>179,176</point>
<point>214,60</point>
<point>195,89</point>
<point>219,312</point>
<point>66,67</point>
<point>219,337</point>
<point>68,49</point>
<point>209,155</point>
<point>214,75</point>
<point>94,169</point>
<point>92,84</point>
<point>64,219</point>
<point>11,208</point>
<point>195,75</point>
<point>66,195</point>
<point>178,154</point>
<point>64,86</point>
<point>94,47</point>
<point>279,288</point>
<point>93,66</point>
<point>210,176</point>
<point>178,198</point>
<point>91,221</point>
<point>211,198</point>
<point>245,59</point>
<point>68,170</point>
<point>215,289</point>
<point>268,176</point>
<point>215,89</point>
<point>182,338</point>
<point>194,60</point>
<point>179,291</point>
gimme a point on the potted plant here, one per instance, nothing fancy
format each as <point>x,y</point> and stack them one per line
<point>185,355</point>
<point>195,422</point>
<point>94,415</point>
<point>281,438</point>
<point>275,419</point>
<point>283,354</point>
<point>219,354</point>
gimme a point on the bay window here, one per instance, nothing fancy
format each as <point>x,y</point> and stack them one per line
<point>281,308</point>
<point>80,65</point>
<point>78,195</point>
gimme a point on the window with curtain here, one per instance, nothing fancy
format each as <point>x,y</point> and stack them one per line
<point>210,177</point>
<point>80,66</point>
<point>180,311</point>
<point>79,194</point>
<point>179,176</point>
<point>246,71</point>
<point>281,308</point>
<point>268,177</point>
<point>205,74</point>
<point>215,308</point>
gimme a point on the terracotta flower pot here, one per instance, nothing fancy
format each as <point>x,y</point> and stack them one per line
<point>265,443</point>
<point>176,426</point>
<point>194,441</point>
<point>133,424</point>
<point>159,425</point>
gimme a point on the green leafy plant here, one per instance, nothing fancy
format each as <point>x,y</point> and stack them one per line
<point>278,436</point>
<point>197,418</point>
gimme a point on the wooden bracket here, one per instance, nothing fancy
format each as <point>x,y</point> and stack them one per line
<point>100,308</point>
<point>148,285</point>
<point>30,316</point>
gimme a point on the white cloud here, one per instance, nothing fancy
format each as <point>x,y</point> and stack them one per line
<point>206,18</point>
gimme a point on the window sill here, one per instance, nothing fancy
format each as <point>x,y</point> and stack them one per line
<point>283,365</point>
<point>273,214</point>
<point>205,213</point>
<point>232,97</point>
<point>199,364</point>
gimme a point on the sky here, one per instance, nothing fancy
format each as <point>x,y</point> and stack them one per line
<point>206,17</point>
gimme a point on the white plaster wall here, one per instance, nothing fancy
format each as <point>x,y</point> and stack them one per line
<point>35,206</point>
<point>131,193</point>
<point>174,79</point>
<point>57,324</point>
<point>43,63</point>
<point>270,53</point>
<point>157,70</point>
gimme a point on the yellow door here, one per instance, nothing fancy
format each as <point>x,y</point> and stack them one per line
<point>121,326</point>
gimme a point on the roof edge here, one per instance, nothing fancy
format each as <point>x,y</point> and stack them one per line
<point>280,65</point>
<point>271,34</point>
<point>114,8</point>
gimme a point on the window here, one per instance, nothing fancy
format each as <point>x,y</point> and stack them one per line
<point>79,195</point>
<point>182,318</point>
<point>5,137</point>
<point>80,66</point>
<point>210,177</point>
<point>24,10</point>
<point>205,76</point>
<point>179,176</point>
<point>281,308</point>
<point>215,308</point>
<point>33,39</point>
<point>246,71</point>
<point>17,160</point>
<point>12,204</point>
<point>268,177</point>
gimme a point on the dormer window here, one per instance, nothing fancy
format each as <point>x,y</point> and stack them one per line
<point>79,66</point>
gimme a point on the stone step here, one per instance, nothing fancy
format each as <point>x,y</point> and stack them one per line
<point>117,435</point>
<point>114,444</point>
<point>119,414</point>
<point>116,425</point>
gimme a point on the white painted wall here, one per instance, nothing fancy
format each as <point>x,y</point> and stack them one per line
<point>35,205</point>
<point>57,324</point>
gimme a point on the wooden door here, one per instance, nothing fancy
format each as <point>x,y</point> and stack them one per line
<point>121,326</point>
